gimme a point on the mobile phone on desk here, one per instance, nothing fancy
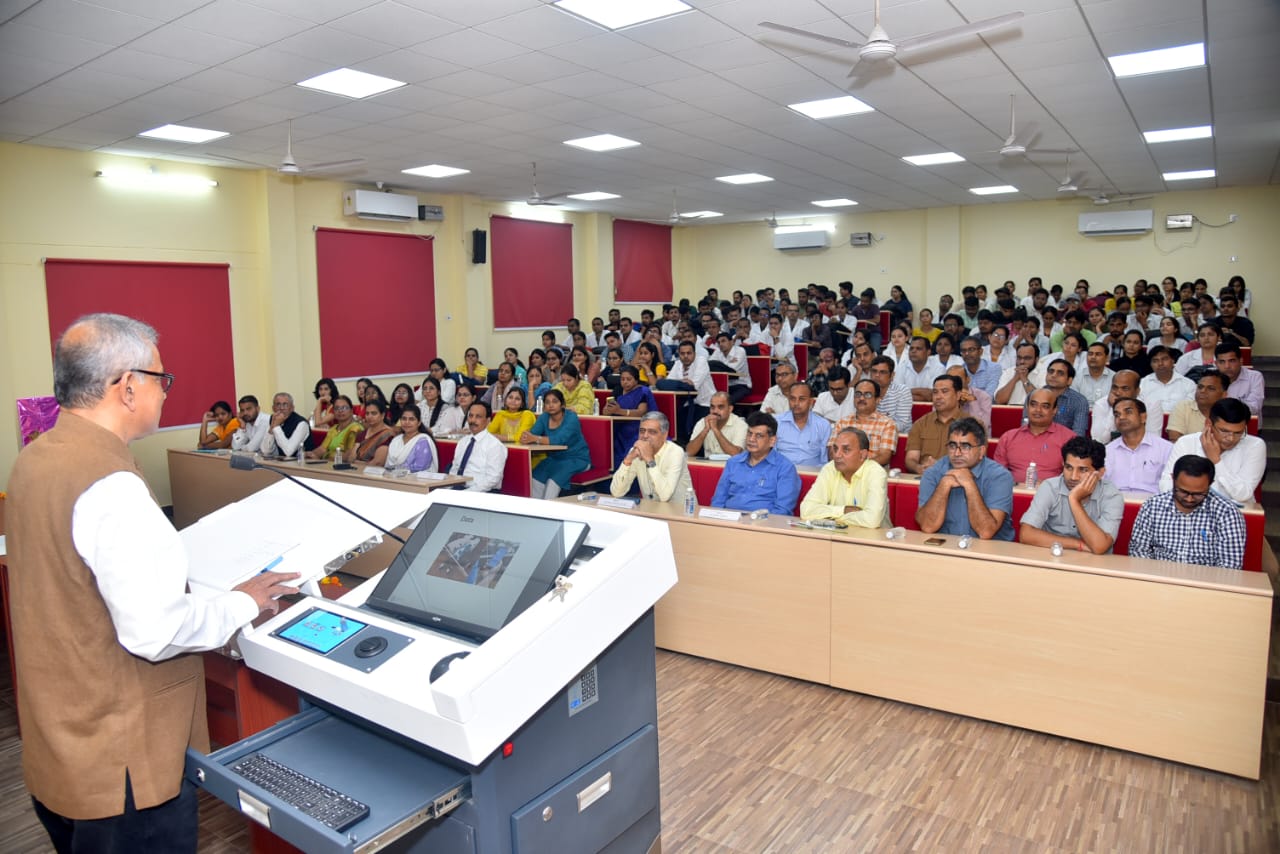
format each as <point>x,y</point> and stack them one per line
<point>935,541</point>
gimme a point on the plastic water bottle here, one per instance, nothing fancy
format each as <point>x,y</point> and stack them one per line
<point>964,541</point>
<point>1056,548</point>
<point>1033,476</point>
<point>896,533</point>
<point>595,406</point>
<point>537,407</point>
<point>302,455</point>
<point>337,457</point>
<point>690,502</point>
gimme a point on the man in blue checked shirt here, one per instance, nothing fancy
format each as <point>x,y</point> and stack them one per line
<point>760,477</point>
<point>1191,523</point>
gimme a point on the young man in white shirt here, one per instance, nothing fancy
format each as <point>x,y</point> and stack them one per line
<point>254,424</point>
<point>1241,459</point>
<point>1162,389</point>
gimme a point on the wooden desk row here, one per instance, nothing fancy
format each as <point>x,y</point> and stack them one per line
<point>904,493</point>
<point>1158,658</point>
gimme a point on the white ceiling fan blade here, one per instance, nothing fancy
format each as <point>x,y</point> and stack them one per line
<point>942,36</point>
<point>336,165</point>
<point>809,34</point>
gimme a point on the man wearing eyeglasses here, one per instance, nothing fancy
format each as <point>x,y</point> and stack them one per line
<point>102,619</point>
<point>289,430</point>
<point>759,478</point>
<point>1240,459</point>
<point>1190,523</point>
<point>881,432</point>
<point>965,493</point>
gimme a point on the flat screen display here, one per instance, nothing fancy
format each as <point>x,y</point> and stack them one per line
<point>470,572</point>
<point>320,630</point>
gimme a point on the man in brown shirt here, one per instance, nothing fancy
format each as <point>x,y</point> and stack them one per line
<point>927,441</point>
<point>102,620</point>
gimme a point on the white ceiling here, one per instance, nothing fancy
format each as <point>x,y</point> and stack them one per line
<point>495,84</point>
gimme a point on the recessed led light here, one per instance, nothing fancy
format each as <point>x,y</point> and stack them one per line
<point>991,191</point>
<point>934,159</point>
<point>1177,134</point>
<point>745,178</point>
<point>181,133</point>
<point>616,14</point>
<point>602,142</point>
<point>435,170</point>
<point>351,83</point>
<point>1190,176</point>
<point>1156,61</point>
<point>835,203</point>
<point>829,108</point>
<point>597,196</point>
<point>700,214</point>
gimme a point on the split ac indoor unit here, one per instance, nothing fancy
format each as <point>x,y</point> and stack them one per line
<point>818,238</point>
<point>370,204</point>
<point>1103,224</point>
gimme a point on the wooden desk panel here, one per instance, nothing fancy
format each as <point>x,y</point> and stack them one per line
<point>1165,669</point>
<point>772,612</point>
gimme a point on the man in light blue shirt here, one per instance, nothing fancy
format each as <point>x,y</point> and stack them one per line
<point>983,374</point>
<point>802,438</point>
<point>759,478</point>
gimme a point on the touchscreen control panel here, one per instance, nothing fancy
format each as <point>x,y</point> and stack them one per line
<point>343,639</point>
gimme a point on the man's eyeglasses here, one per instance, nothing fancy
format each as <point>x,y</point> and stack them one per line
<point>864,395</point>
<point>1190,496</point>
<point>166,379</point>
<point>963,447</point>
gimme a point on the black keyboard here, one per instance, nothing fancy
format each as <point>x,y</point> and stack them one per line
<point>327,806</point>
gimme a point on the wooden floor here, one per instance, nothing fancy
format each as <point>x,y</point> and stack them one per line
<point>759,763</point>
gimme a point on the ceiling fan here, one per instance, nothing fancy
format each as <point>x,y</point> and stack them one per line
<point>535,199</point>
<point>289,166</point>
<point>1015,147</point>
<point>1071,183</point>
<point>880,48</point>
<point>1105,198</point>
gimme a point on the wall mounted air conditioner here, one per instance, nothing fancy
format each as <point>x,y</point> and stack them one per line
<point>370,204</point>
<point>818,238</point>
<point>1103,224</point>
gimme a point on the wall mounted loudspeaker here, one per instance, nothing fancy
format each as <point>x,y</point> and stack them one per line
<point>479,248</point>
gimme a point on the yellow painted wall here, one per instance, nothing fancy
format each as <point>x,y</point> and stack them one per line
<point>262,224</point>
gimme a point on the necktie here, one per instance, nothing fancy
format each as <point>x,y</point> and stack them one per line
<point>466,455</point>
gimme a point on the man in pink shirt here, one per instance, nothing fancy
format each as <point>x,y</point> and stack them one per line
<point>1039,442</point>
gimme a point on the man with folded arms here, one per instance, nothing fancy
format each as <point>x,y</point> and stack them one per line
<point>964,492</point>
<point>1240,460</point>
<point>1190,523</point>
<point>1078,509</point>
<point>254,424</point>
<point>660,467</point>
<point>777,398</point>
<point>851,488</point>
<point>802,435</point>
<point>927,441</point>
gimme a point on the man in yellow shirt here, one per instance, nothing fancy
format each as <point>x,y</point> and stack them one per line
<point>847,488</point>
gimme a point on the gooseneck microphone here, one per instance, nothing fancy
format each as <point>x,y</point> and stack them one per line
<point>246,462</point>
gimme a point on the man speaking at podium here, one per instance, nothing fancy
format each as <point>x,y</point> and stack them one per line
<point>108,694</point>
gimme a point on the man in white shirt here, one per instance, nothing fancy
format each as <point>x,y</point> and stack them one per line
<point>595,338</point>
<point>670,324</point>
<point>1095,380</point>
<point>1102,419</point>
<point>916,372</point>
<point>480,456</point>
<point>1240,459</point>
<point>630,335</point>
<point>689,374</point>
<point>1163,388</point>
<point>660,467</point>
<point>574,326</point>
<point>254,424</point>
<point>776,399</point>
<point>720,431</point>
<point>289,430</point>
<point>835,403</point>
<point>1022,379</point>
<point>794,323</point>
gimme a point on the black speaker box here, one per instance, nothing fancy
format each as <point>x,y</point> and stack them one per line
<point>479,246</point>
